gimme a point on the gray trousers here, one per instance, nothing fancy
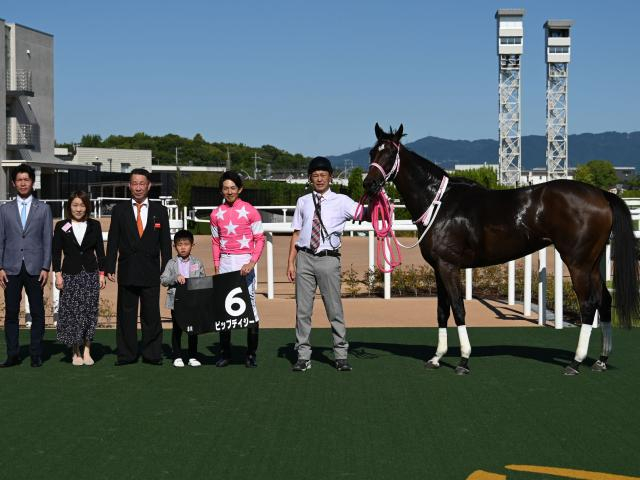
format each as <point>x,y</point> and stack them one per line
<point>323,272</point>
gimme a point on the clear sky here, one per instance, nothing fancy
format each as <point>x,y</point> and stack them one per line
<point>314,77</point>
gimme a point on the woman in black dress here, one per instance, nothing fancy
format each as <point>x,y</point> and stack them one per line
<point>81,276</point>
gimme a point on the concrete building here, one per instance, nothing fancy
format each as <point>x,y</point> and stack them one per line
<point>112,160</point>
<point>26,91</point>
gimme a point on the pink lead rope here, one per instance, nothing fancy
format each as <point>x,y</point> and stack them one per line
<point>388,246</point>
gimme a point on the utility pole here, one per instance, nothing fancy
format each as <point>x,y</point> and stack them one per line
<point>255,165</point>
<point>228,159</point>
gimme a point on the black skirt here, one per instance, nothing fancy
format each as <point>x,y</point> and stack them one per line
<point>78,308</point>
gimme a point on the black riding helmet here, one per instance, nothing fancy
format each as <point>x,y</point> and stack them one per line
<point>320,163</point>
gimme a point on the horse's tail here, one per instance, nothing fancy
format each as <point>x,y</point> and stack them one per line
<point>625,276</point>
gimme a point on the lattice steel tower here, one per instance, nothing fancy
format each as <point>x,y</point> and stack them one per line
<point>510,44</point>
<point>558,53</point>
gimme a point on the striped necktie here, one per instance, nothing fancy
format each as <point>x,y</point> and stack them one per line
<point>316,227</point>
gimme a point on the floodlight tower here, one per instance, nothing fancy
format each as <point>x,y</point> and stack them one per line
<point>557,56</point>
<point>510,45</point>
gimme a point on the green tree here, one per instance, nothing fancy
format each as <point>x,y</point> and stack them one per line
<point>485,176</point>
<point>583,174</point>
<point>198,151</point>
<point>355,188</point>
<point>597,172</point>
<point>91,140</point>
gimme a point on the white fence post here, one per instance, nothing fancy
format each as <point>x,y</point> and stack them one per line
<point>527,286</point>
<point>542,286</point>
<point>27,309</point>
<point>607,273</point>
<point>387,276</point>
<point>512,283</point>
<point>468,283</point>
<point>372,253</point>
<point>55,298</point>
<point>270,265</point>
<point>557,273</point>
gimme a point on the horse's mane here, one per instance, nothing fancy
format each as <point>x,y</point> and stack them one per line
<point>465,181</point>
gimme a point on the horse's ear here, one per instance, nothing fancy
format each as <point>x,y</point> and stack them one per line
<point>398,135</point>
<point>379,132</point>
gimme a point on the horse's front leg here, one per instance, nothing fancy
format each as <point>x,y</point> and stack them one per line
<point>451,280</point>
<point>444,307</point>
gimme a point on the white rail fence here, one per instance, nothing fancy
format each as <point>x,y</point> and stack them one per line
<point>102,207</point>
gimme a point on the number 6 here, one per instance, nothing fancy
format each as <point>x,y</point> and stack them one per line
<point>231,300</point>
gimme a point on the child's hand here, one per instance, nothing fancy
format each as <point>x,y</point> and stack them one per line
<point>181,280</point>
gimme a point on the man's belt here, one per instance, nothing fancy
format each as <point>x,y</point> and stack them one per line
<point>323,253</point>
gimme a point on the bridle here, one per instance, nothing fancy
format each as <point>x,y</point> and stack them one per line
<point>382,214</point>
<point>395,169</point>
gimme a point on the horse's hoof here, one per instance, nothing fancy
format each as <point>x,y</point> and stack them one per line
<point>429,365</point>
<point>571,371</point>
<point>460,370</point>
<point>599,366</point>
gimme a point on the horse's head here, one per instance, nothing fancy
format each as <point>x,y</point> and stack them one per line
<point>384,159</point>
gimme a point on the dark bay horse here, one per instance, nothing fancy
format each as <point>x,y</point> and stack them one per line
<point>477,227</point>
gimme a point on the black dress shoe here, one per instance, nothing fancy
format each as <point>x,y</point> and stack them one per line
<point>251,362</point>
<point>120,363</point>
<point>10,362</point>
<point>36,361</point>
<point>342,365</point>
<point>223,362</point>
<point>148,361</point>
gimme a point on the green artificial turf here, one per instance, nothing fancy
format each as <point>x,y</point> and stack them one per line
<point>388,418</point>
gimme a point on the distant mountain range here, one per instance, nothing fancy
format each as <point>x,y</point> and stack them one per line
<point>621,149</point>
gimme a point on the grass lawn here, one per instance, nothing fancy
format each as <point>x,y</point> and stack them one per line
<point>387,419</point>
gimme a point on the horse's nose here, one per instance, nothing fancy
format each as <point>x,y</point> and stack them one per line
<point>368,184</point>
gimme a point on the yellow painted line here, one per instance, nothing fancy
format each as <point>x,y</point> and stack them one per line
<point>567,473</point>
<point>482,475</point>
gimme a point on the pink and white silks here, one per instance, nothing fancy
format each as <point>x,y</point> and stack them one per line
<point>237,237</point>
<point>236,230</point>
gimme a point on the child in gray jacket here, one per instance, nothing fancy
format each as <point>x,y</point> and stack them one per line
<point>178,269</point>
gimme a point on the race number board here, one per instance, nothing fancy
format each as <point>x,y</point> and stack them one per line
<point>213,304</point>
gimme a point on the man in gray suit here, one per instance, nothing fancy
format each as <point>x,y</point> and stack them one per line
<point>26,230</point>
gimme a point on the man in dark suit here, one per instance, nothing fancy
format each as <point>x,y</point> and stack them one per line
<point>139,237</point>
<point>26,229</point>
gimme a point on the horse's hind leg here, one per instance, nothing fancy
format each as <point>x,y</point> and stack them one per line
<point>587,286</point>
<point>450,275</point>
<point>444,307</point>
<point>604,309</point>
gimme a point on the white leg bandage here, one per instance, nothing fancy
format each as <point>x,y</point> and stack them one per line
<point>607,340</point>
<point>583,342</point>
<point>465,346</point>
<point>442,346</point>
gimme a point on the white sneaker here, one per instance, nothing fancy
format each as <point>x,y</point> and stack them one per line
<point>27,324</point>
<point>178,363</point>
<point>194,363</point>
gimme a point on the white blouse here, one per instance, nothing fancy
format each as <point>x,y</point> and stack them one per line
<point>79,229</point>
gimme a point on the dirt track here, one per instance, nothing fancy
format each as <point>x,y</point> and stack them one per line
<point>359,312</point>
